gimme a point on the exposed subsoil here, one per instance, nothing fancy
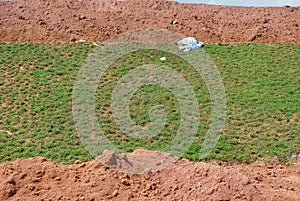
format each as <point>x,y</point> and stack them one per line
<point>96,21</point>
<point>42,179</point>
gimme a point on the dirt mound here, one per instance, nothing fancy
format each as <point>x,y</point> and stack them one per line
<point>95,20</point>
<point>138,162</point>
<point>28,179</point>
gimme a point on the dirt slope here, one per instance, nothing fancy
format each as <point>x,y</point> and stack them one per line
<point>96,20</point>
<point>42,179</point>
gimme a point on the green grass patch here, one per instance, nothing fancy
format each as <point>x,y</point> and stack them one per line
<point>262,84</point>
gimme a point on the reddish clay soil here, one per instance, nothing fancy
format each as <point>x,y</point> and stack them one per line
<point>42,179</point>
<point>98,20</point>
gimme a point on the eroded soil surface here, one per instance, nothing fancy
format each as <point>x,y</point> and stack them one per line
<point>98,20</point>
<point>40,178</point>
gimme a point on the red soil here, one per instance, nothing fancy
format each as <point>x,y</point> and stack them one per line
<point>96,20</point>
<point>42,179</point>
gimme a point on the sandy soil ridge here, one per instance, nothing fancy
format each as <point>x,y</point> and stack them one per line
<point>95,20</point>
<point>42,179</point>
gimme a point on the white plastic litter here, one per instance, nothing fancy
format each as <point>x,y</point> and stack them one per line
<point>163,59</point>
<point>80,41</point>
<point>189,43</point>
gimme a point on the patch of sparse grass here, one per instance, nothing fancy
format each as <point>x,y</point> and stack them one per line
<point>262,85</point>
<point>36,83</point>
